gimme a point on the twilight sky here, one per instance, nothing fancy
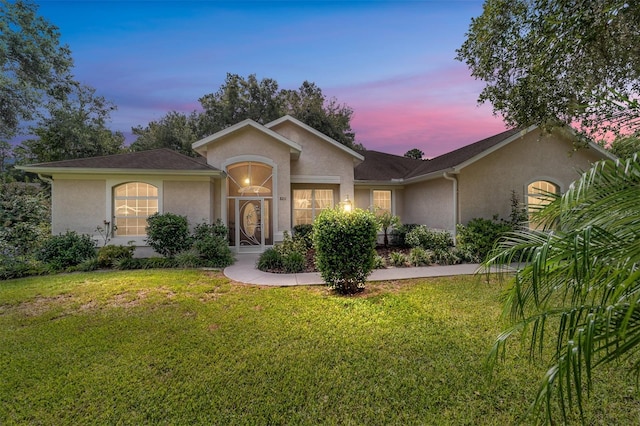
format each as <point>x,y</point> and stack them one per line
<point>391,61</point>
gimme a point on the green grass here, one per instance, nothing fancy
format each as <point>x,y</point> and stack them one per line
<point>191,347</point>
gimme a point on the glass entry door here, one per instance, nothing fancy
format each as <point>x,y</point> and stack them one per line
<point>249,223</point>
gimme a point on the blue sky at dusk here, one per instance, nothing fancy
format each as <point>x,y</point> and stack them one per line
<point>392,62</point>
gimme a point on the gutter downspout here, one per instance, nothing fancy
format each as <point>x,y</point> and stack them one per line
<point>455,202</point>
<point>46,179</point>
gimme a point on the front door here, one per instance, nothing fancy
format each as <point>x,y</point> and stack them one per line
<point>249,206</point>
<point>249,224</point>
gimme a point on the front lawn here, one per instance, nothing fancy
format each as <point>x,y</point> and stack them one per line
<point>191,347</point>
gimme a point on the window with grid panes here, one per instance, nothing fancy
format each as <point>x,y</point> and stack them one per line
<point>308,203</point>
<point>133,203</point>
<point>381,201</point>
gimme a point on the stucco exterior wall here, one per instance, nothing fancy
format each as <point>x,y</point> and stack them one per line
<point>429,203</point>
<point>248,145</point>
<point>78,205</point>
<point>485,186</point>
<point>319,158</point>
<point>189,198</point>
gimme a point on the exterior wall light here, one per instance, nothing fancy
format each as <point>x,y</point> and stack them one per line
<point>347,205</point>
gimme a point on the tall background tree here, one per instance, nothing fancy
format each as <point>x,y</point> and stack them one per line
<point>75,127</point>
<point>238,99</point>
<point>414,153</point>
<point>35,67</point>
<point>176,131</point>
<point>559,62</point>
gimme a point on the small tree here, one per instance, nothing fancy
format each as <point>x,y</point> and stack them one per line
<point>168,233</point>
<point>344,243</point>
<point>385,221</point>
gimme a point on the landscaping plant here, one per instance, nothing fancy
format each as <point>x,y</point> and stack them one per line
<point>168,233</point>
<point>385,221</point>
<point>345,248</point>
<point>64,250</point>
<point>577,291</point>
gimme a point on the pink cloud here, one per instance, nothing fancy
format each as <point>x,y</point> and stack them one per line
<point>435,111</point>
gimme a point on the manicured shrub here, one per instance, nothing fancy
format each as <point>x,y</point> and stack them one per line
<point>211,245</point>
<point>168,233</point>
<point>108,255</point>
<point>344,244</point>
<point>269,260</point>
<point>429,239</point>
<point>304,232</point>
<point>399,234</point>
<point>65,250</point>
<point>479,235</point>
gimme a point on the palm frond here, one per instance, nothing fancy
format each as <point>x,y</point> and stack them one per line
<point>578,279</point>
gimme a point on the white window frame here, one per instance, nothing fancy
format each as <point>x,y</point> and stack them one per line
<point>392,206</point>
<point>313,209</point>
<point>111,184</point>
<point>529,194</point>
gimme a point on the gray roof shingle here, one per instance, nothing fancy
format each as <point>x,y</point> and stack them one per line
<point>378,166</point>
<point>155,159</point>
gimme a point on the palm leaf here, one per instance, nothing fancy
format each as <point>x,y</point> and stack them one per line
<point>579,281</point>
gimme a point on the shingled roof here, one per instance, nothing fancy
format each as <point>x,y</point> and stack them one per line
<point>155,159</point>
<point>379,166</point>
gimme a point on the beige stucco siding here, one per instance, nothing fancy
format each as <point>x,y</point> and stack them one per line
<point>429,203</point>
<point>485,186</point>
<point>319,158</point>
<point>190,199</point>
<point>78,205</point>
<point>252,145</point>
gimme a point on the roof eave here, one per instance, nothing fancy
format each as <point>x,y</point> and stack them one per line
<point>116,171</point>
<point>317,133</point>
<point>201,146</point>
<point>494,148</point>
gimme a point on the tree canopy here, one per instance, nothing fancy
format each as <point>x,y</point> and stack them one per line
<point>558,62</point>
<point>35,67</point>
<point>414,153</point>
<point>238,99</point>
<point>75,127</point>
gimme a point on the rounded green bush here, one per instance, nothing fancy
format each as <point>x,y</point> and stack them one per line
<point>168,233</point>
<point>65,250</point>
<point>210,243</point>
<point>345,248</point>
<point>108,255</point>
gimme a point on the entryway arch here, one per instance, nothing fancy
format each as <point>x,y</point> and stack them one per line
<point>250,188</point>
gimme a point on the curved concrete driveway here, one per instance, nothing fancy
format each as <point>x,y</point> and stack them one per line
<point>244,271</point>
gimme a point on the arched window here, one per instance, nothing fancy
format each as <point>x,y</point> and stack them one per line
<point>133,203</point>
<point>539,194</point>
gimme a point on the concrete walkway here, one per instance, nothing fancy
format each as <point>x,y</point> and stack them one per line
<point>244,271</point>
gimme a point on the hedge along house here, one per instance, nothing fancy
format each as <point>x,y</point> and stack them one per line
<point>262,180</point>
